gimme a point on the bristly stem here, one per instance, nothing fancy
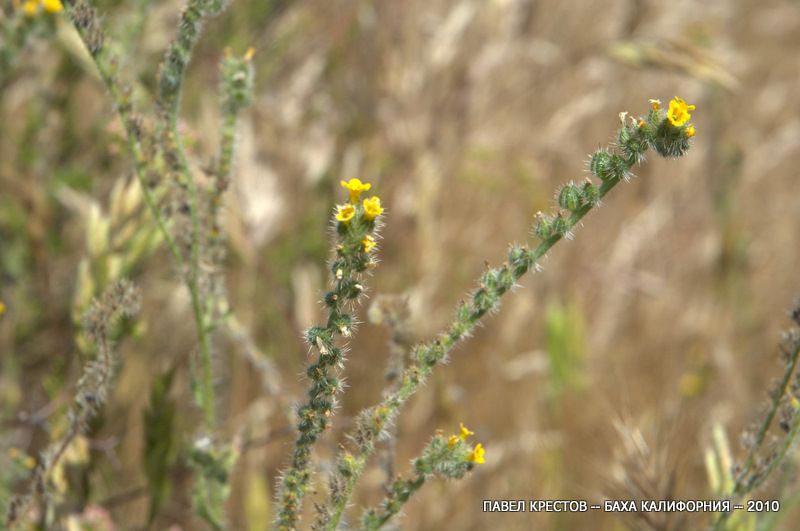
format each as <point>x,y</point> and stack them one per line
<point>118,301</point>
<point>374,420</point>
<point>446,457</point>
<point>355,227</point>
<point>171,77</point>
<point>85,20</point>
<point>401,491</point>
<point>659,131</point>
<point>748,480</point>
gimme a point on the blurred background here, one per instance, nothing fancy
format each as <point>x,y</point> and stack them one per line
<point>605,373</point>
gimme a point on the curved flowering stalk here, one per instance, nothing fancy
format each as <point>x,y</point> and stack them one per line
<point>356,223</point>
<point>448,458</point>
<point>668,133</point>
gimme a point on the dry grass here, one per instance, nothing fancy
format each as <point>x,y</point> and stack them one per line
<point>466,115</point>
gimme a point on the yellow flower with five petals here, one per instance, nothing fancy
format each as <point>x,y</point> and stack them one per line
<point>476,456</point>
<point>345,213</point>
<point>356,188</point>
<point>678,113</point>
<point>372,208</point>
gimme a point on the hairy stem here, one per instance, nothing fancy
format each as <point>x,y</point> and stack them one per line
<point>746,481</point>
<point>432,353</point>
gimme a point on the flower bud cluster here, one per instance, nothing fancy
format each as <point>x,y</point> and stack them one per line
<point>610,166</point>
<point>356,225</point>
<point>448,457</point>
<point>669,133</point>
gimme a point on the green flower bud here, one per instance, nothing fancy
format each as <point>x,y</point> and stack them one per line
<point>632,144</point>
<point>544,226</point>
<point>561,226</point>
<point>519,260</point>
<point>590,193</point>
<point>569,197</point>
<point>602,165</point>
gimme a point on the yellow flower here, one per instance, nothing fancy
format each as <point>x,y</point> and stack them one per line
<point>368,243</point>
<point>345,213</point>
<point>355,187</point>
<point>656,104</point>
<point>690,132</point>
<point>465,433</point>
<point>476,456</point>
<point>372,207</point>
<point>30,7</point>
<point>53,6</point>
<point>452,441</point>
<point>678,113</point>
<point>2,308</point>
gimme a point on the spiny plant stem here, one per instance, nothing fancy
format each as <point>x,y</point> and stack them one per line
<point>85,21</point>
<point>207,400</point>
<point>445,457</point>
<point>416,374</point>
<point>401,491</point>
<point>171,77</point>
<point>761,435</point>
<point>658,131</point>
<point>118,301</point>
<point>227,144</point>
<point>351,260</point>
<point>745,481</point>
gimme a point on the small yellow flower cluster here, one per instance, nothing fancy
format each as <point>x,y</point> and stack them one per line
<point>345,213</point>
<point>31,7</point>
<point>356,188</point>
<point>2,308</point>
<point>677,114</point>
<point>372,206</point>
<point>368,243</point>
<point>476,456</point>
<point>477,453</point>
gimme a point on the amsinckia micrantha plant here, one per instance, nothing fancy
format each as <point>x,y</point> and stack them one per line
<point>765,454</point>
<point>450,457</point>
<point>356,223</point>
<point>185,211</point>
<point>668,133</point>
<point>119,301</point>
